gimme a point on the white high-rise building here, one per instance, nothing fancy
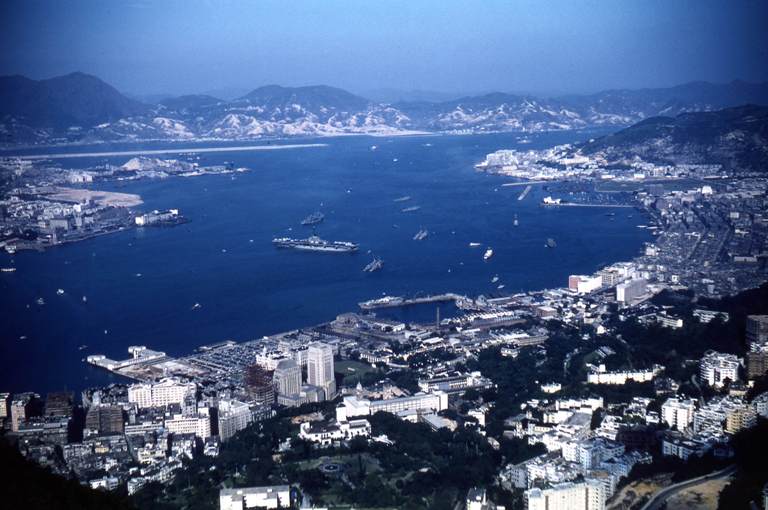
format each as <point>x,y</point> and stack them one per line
<point>628,292</point>
<point>320,368</point>
<point>588,495</point>
<point>678,413</point>
<point>287,377</point>
<point>199,425</point>
<point>161,394</point>
<point>716,367</point>
<point>234,416</point>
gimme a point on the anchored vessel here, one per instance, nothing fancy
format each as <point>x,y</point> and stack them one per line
<point>374,265</point>
<point>314,243</point>
<point>313,219</point>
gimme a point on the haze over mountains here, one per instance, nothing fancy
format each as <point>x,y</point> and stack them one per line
<point>82,108</point>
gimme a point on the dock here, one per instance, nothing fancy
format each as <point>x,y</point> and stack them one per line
<point>526,183</point>
<point>572,204</point>
<point>525,192</point>
<point>437,298</point>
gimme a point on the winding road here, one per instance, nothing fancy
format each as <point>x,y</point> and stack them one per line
<point>662,496</point>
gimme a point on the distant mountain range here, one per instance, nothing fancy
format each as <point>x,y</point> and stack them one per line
<point>736,138</point>
<point>81,108</point>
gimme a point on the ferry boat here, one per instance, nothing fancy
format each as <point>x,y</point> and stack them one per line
<point>386,301</point>
<point>314,243</point>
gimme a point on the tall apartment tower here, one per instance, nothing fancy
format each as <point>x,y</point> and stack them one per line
<point>757,332</point>
<point>287,377</point>
<point>320,368</point>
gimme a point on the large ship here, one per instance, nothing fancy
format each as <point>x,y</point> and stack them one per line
<point>314,243</point>
<point>313,219</point>
<point>384,302</point>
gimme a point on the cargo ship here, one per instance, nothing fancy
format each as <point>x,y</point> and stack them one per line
<point>314,243</point>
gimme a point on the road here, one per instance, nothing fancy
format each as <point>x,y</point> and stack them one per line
<point>661,497</point>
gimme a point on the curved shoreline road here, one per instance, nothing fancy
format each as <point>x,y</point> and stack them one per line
<point>68,155</point>
<point>662,496</point>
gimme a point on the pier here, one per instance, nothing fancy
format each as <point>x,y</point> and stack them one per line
<point>525,183</point>
<point>394,303</point>
<point>573,204</point>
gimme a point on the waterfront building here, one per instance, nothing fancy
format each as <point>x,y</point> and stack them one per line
<point>320,368</point>
<point>678,413</point>
<point>160,394</point>
<point>716,367</point>
<point>287,377</point>
<point>274,496</point>
<point>588,495</point>
<point>582,284</point>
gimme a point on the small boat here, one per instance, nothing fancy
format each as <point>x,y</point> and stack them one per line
<point>313,219</point>
<point>495,279</point>
<point>551,243</point>
<point>421,234</point>
<point>488,254</point>
<point>501,286</point>
<point>60,292</point>
<point>40,301</point>
<point>374,265</point>
<point>85,299</point>
<point>374,147</point>
<point>475,245</point>
<point>8,269</point>
<point>82,347</point>
<point>412,208</point>
<point>402,199</point>
<point>515,223</point>
<point>196,306</point>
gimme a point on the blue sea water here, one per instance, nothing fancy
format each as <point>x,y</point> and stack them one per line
<point>224,259</point>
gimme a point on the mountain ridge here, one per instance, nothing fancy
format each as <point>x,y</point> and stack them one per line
<point>80,107</point>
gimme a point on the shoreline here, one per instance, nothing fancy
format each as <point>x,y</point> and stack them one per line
<point>240,148</point>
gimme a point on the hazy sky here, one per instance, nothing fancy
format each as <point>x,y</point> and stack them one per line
<point>540,46</point>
